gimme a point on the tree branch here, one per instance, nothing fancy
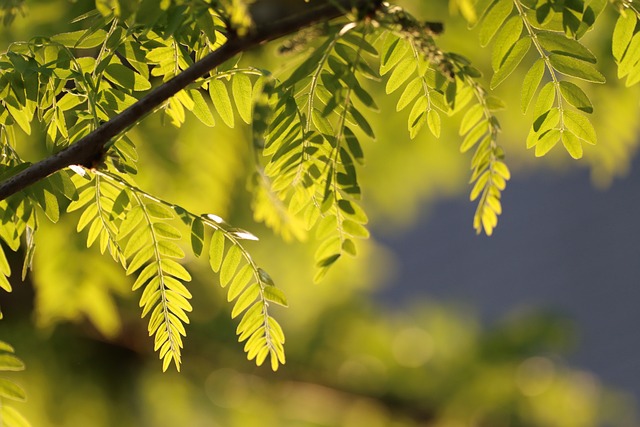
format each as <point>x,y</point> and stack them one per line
<point>91,148</point>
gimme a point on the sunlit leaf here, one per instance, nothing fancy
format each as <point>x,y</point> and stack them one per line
<point>576,68</point>
<point>241,89</point>
<point>576,97</point>
<point>494,19</point>
<point>622,34</point>
<point>531,82</point>
<point>222,101</point>
<point>511,61</point>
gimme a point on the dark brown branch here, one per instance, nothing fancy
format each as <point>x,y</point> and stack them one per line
<point>91,148</point>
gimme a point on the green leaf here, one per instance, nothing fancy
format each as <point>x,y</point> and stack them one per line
<point>12,418</point>
<point>245,300</point>
<point>11,391</point>
<point>580,126</point>
<point>159,211</point>
<point>265,278</point>
<point>241,89</point>
<point>480,185</point>
<point>5,284</point>
<point>69,101</point>
<point>547,120</point>
<point>354,145</point>
<point>576,97</point>
<point>201,108</point>
<point>239,282</point>
<point>175,269</point>
<point>9,362</point>
<point>139,239</point>
<point>622,34</point>
<point>494,103</point>
<point>140,259</point>
<point>475,135</point>
<point>273,294</point>
<point>630,58</point>
<point>131,221</point>
<point>362,123</point>
<point>572,144</point>
<point>546,142</point>
<point>42,192</point>
<point>166,231</point>
<point>413,89</point>
<point>87,216</point>
<point>493,20</point>
<point>634,75</point>
<point>505,39</point>
<point>197,236</point>
<point>417,116</point>
<point>502,169</point>
<point>230,265</point>
<point>355,229</point>
<point>545,100</point>
<point>433,121</point>
<point>401,74</point>
<point>321,122</point>
<point>575,68</point>
<point>511,61</point>
<point>4,346</point>
<point>22,117</point>
<point>531,82</point>
<point>81,39</point>
<point>216,250</point>
<point>147,273</point>
<point>180,289</point>
<point>326,227</point>
<point>471,118</point>
<point>126,78</point>
<point>393,53</point>
<point>559,44</point>
<point>252,319</point>
<point>221,101</point>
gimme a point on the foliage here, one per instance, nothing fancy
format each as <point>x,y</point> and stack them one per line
<point>310,125</point>
<point>10,391</point>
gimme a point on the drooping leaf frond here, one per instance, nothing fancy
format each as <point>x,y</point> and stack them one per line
<point>516,26</point>
<point>148,242</point>
<point>434,82</point>
<point>311,148</point>
<point>252,289</point>
<point>151,251</point>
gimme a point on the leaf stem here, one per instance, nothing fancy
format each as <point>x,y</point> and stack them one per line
<point>545,58</point>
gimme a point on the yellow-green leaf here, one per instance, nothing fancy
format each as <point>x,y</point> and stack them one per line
<point>241,89</point>
<point>546,142</point>
<point>572,144</point>
<point>201,109</point>
<point>622,34</point>
<point>511,61</point>
<point>216,250</point>
<point>576,97</point>
<point>530,84</point>
<point>576,68</point>
<point>126,78</point>
<point>493,20</point>
<point>221,101</point>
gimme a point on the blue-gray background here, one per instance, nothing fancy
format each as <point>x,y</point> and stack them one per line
<point>561,244</point>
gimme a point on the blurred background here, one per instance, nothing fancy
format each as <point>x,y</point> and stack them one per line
<point>430,325</point>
